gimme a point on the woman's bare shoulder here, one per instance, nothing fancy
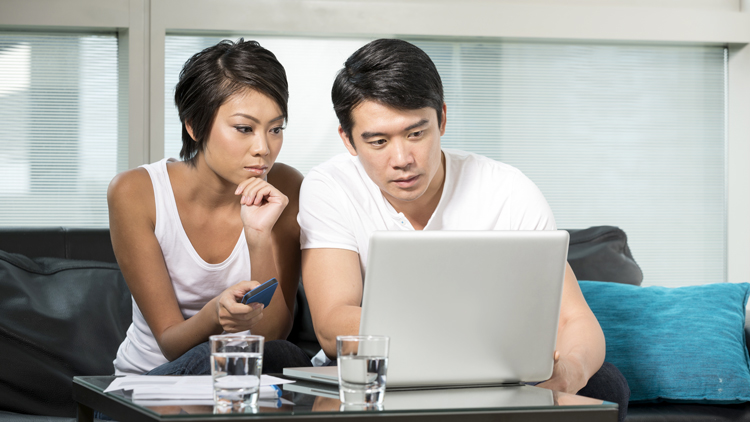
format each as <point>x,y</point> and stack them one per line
<point>135,183</point>
<point>131,194</point>
<point>286,178</point>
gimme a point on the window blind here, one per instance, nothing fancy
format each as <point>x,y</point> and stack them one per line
<point>624,135</point>
<point>311,64</point>
<point>61,137</point>
<point>629,136</point>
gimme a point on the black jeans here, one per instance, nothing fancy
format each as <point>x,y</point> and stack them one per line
<point>607,384</point>
<point>610,385</point>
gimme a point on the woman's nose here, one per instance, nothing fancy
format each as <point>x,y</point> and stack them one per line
<point>259,146</point>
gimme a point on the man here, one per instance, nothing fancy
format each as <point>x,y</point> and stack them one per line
<point>389,102</point>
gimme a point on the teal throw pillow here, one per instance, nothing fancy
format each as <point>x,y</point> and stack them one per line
<point>684,344</point>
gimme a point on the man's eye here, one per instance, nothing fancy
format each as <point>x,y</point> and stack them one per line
<point>244,129</point>
<point>416,134</point>
<point>378,142</point>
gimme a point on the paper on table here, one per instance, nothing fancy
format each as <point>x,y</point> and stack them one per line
<point>188,387</point>
<point>273,403</point>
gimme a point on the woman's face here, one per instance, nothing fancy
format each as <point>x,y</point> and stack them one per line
<point>245,138</point>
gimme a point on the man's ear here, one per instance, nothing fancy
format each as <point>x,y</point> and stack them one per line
<point>189,130</point>
<point>442,121</point>
<point>347,143</point>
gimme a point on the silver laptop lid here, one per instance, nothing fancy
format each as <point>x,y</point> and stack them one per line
<point>465,307</point>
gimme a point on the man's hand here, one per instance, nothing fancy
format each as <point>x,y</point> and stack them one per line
<point>567,377</point>
<point>233,315</point>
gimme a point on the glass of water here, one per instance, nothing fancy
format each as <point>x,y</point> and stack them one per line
<point>362,364</point>
<point>236,364</point>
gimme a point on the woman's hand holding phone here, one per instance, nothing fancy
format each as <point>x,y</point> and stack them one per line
<point>261,294</point>
<point>235,316</point>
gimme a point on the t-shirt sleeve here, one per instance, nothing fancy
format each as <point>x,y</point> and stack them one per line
<point>324,216</point>
<point>530,210</point>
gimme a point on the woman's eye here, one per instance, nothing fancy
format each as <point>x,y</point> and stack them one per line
<point>277,130</point>
<point>244,129</point>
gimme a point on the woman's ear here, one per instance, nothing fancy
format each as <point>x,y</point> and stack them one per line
<point>189,130</point>
<point>442,121</point>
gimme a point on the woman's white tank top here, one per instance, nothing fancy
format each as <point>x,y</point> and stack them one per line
<point>194,280</point>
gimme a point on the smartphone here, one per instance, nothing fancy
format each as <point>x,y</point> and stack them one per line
<point>261,294</point>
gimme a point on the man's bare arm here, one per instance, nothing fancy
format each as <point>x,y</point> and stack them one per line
<point>580,341</point>
<point>333,286</point>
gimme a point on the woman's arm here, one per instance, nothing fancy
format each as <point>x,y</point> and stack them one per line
<point>132,217</point>
<point>277,254</point>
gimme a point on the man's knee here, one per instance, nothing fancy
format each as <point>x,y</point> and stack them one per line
<point>610,385</point>
<point>280,354</point>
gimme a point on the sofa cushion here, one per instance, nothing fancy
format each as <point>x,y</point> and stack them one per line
<point>601,253</point>
<point>58,318</point>
<point>58,242</point>
<point>684,344</point>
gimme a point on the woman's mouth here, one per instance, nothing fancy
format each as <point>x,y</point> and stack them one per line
<point>256,170</point>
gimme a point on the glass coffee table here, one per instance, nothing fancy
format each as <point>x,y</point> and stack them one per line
<point>306,401</point>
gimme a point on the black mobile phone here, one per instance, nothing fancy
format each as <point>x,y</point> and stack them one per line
<point>261,294</point>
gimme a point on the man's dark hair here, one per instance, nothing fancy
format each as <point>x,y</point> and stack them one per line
<point>210,77</point>
<point>391,72</point>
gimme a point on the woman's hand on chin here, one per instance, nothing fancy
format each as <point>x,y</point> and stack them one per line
<point>262,204</point>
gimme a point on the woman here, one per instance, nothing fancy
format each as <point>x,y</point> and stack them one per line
<point>185,233</point>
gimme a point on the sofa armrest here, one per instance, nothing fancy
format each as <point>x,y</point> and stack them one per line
<point>601,253</point>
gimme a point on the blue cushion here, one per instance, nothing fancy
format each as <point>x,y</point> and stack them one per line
<point>684,344</point>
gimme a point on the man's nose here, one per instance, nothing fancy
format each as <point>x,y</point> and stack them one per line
<point>402,155</point>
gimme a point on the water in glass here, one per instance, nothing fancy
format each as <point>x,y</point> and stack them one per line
<point>362,378</point>
<point>236,378</point>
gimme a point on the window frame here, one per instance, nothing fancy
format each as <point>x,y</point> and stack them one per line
<point>143,24</point>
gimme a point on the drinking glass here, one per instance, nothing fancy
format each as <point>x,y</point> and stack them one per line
<point>236,364</point>
<point>362,366</point>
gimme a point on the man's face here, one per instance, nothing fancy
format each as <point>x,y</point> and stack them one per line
<point>399,149</point>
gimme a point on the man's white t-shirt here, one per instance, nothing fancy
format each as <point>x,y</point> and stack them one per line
<point>340,206</point>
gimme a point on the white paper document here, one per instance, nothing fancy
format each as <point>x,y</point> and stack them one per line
<point>196,389</point>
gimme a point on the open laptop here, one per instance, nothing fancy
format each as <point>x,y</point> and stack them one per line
<point>462,307</point>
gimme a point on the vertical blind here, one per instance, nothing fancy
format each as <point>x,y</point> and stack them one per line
<point>622,135</point>
<point>61,137</point>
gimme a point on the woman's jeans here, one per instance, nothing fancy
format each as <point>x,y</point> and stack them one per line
<point>277,355</point>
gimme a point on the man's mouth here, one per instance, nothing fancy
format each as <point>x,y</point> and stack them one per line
<point>405,182</point>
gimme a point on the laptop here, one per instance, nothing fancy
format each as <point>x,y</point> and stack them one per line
<point>488,397</point>
<point>462,307</point>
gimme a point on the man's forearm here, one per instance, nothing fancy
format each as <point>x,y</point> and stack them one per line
<point>582,349</point>
<point>340,321</point>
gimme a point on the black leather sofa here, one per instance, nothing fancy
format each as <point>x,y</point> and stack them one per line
<point>65,308</point>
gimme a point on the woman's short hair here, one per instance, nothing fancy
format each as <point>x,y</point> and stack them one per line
<point>391,72</point>
<point>210,77</point>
